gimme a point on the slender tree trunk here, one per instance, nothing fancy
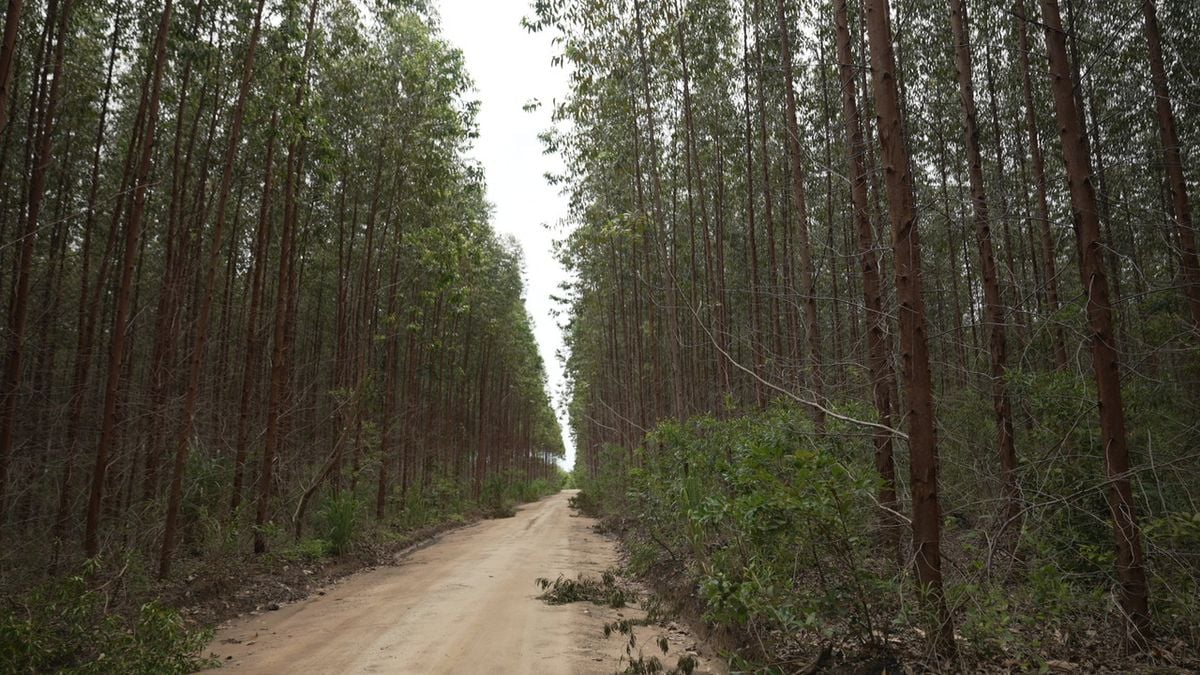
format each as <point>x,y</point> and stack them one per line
<point>1000,188</point>
<point>481,407</point>
<point>170,310</point>
<point>772,285</point>
<point>834,254</point>
<point>695,174</point>
<point>278,397</point>
<point>1043,200</point>
<point>184,434</point>
<point>1104,198</point>
<point>19,309</point>
<point>132,240</point>
<point>878,340</point>
<point>1131,573</point>
<point>756,337</point>
<point>89,302</point>
<point>391,383</point>
<point>994,304</point>
<point>254,332</point>
<point>1172,158</point>
<point>807,277</point>
<point>914,348</point>
<point>12,23</point>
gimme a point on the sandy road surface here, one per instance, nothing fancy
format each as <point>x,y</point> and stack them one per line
<point>465,604</point>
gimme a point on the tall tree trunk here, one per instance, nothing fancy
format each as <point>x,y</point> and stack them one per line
<point>19,309</point>
<point>1043,201</point>
<point>914,347</point>
<point>1180,206</point>
<point>8,49</point>
<point>807,277</point>
<point>878,341</point>
<point>89,303</point>
<point>184,434</point>
<point>1131,573</point>
<point>756,332</point>
<point>390,386</point>
<point>169,313</point>
<point>1104,198</point>
<point>254,332</point>
<point>278,397</point>
<point>993,303</point>
<point>1000,189</point>
<point>772,285</point>
<point>834,254</point>
<point>116,360</point>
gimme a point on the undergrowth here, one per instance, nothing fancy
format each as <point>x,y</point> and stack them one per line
<point>68,626</point>
<point>776,530</point>
<point>116,618</point>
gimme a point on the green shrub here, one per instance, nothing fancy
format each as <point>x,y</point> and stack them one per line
<point>493,498</point>
<point>445,496</point>
<point>66,626</point>
<point>772,522</point>
<point>775,528</point>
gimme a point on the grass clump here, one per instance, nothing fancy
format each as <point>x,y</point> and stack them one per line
<point>307,550</point>
<point>340,513</point>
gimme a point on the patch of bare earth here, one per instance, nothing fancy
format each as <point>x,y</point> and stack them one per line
<point>467,603</point>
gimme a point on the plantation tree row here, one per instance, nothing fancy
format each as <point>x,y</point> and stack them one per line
<point>246,265</point>
<point>959,229</point>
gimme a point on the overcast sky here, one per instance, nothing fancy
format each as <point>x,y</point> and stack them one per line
<point>511,67</point>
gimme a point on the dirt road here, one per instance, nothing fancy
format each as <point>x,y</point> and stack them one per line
<point>465,604</point>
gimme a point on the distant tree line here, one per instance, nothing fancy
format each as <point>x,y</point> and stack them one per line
<point>245,264</point>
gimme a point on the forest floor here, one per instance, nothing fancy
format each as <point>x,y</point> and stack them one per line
<point>466,603</point>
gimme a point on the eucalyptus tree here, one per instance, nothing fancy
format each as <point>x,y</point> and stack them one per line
<point>808,293</point>
<point>148,111</point>
<point>701,169</point>
<point>914,349</point>
<point>197,359</point>
<point>1180,202</point>
<point>279,393</point>
<point>1041,194</point>
<point>994,303</point>
<point>41,136</point>
<point>261,136</point>
<point>1126,533</point>
<point>877,335</point>
<point>12,24</point>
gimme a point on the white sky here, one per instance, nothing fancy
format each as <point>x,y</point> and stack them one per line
<point>510,67</point>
